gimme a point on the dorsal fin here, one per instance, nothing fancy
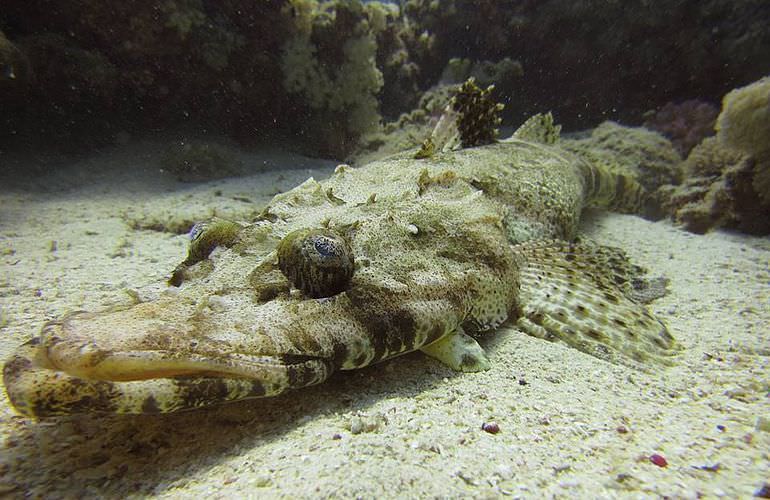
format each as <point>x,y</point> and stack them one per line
<point>539,128</point>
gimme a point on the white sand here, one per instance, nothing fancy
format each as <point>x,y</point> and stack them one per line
<point>558,410</point>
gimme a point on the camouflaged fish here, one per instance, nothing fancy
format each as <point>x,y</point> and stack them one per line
<point>402,254</point>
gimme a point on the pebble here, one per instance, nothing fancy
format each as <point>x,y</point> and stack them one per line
<point>763,491</point>
<point>490,427</point>
<point>658,460</point>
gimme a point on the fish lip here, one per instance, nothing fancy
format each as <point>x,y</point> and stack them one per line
<point>88,362</point>
<point>38,389</point>
<point>63,349</point>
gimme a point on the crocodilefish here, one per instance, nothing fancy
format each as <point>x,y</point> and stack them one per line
<point>423,251</point>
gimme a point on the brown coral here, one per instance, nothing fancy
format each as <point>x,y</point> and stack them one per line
<point>727,180</point>
<point>685,124</point>
<point>708,198</point>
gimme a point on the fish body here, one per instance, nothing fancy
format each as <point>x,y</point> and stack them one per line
<point>430,254</point>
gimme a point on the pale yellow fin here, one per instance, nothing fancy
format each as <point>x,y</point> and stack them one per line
<point>581,294</point>
<point>459,351</point>
<point>539,128</point>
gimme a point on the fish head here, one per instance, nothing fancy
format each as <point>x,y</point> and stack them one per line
<point>279,303</point>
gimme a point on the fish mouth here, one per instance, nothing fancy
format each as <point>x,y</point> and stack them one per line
<point>67,377</point>
<point>163,356</point>
<point>91,363</point>
<point>61,351</point>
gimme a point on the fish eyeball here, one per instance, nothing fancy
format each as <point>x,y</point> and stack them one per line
<point>318,262</point>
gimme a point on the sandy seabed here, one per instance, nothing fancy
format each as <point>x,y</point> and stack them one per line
<point>570,425</point>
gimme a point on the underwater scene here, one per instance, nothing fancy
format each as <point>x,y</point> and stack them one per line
<point>406,249</point>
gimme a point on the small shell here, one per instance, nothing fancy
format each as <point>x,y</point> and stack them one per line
<point>319,262</point>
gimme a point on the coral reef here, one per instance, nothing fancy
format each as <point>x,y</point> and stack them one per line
<point>593,60</point>
<point>744,123</point>
<point>727,177</point>
<point>705,199</point>
<point>105,69</point>
<point>326,73</point>
<point>685,124</point>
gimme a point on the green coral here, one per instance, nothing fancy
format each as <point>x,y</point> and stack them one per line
<point>744,123</point>
<point>705,199</point>
<point>330,62</point>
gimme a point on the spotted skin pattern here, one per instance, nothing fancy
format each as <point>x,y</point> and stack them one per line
<point>446,248</point>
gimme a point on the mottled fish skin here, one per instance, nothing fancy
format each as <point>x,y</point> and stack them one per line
<point>445,249</point>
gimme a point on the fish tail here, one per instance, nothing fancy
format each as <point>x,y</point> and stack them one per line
<point>607,188</point>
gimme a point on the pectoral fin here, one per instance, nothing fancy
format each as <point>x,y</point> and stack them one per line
<point>458,351</point>
<point>581,294</point>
